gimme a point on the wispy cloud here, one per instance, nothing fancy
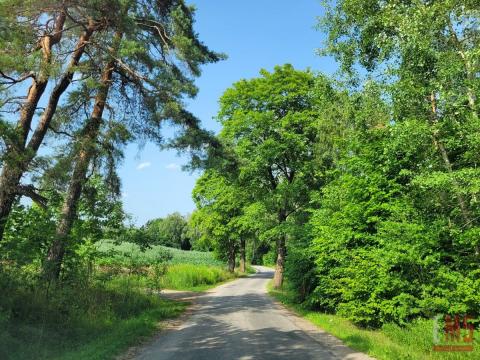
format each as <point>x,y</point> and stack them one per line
<point>173,167</point>
<point>143,165</point>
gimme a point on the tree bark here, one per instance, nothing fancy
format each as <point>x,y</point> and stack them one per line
<point>86,151</point>
<point>16,158</point>
<point>242,256</point>
<point>59,89</point>
<point>23,154</point>
<point>281,253</point>
<point>231,259</point>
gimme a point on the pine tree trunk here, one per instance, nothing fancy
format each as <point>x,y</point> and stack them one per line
<point>59,89</point>
<point>242,256</point>
<point>87,142</point>
<point>281,253</point>
<point>19,154</point>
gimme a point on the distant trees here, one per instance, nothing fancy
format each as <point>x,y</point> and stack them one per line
<point>172,230</point>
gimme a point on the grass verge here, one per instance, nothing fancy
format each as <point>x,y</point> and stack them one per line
<point>76,322</point>
<point>391,342</point>
<point>194,277</point>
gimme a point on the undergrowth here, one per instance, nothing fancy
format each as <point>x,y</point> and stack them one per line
<point>391,342</point>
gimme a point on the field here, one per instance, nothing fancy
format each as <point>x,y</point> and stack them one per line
<point>128,252</point>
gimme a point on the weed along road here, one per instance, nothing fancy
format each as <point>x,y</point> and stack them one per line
<point>238,320</point>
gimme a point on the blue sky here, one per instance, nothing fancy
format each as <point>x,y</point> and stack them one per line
<point>255,34</point>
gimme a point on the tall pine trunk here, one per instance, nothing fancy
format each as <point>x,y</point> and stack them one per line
<point>20,154</point>
<point>242,255</point>
<point>281,253</point>
<point>81,162</point>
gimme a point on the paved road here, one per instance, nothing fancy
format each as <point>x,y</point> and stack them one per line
<point>238,320</point>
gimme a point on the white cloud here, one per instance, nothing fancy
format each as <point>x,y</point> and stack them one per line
<point>173,167</point>
<point>143,165</point>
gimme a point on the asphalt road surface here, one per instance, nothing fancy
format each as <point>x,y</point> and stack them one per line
<point>238,320</point>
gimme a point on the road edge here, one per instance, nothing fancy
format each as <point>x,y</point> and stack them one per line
<point>324,338</point>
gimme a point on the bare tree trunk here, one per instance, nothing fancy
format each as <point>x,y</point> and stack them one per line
<point>281,253</point>
<point>81,163</point>
<point>19,154</point>
<point>242,255</point>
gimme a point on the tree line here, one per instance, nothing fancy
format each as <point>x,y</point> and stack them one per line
<point>365,184</point>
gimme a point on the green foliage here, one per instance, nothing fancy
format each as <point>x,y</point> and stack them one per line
<point>218,216</point>
<point>23,243</point>
<point>171,231</point>
<point>390,342</point>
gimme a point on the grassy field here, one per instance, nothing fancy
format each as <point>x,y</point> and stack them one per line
<point>391,342</point>
<point>166,268</point>
<point>194,277</point>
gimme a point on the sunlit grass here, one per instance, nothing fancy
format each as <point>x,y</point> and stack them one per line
<point>194,277</point>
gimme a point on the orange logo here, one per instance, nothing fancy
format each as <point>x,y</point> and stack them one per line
<point>457,333</point>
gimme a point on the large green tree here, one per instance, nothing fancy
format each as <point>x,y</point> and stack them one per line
<point>395,230</point>
<point>219,216</point>
<point>271,124</point>
<point>427,54</point>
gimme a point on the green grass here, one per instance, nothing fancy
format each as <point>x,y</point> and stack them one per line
<point>184,270</point>
<point>194,277</point>
<point>391,342</point>
<point>82,321</point>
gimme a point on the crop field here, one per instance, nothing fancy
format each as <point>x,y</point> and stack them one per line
<point>127,253</point>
